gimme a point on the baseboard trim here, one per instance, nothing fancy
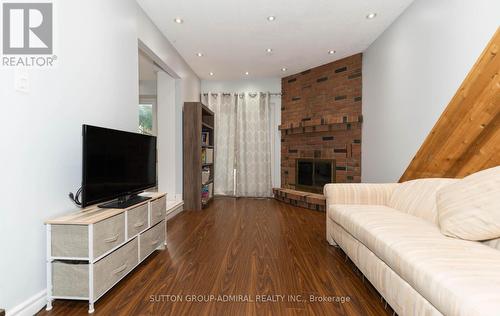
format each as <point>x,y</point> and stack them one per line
<point>178,197</point>
<point>174,208</point>
<point>29,307</point>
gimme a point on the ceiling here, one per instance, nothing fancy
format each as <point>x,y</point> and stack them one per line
<point>233,35</point>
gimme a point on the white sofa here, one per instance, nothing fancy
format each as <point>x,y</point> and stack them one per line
<point>395,234</point>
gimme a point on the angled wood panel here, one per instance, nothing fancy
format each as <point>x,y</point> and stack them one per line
<point>466,138</point>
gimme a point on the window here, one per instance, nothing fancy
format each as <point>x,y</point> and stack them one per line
<point>146,119</point>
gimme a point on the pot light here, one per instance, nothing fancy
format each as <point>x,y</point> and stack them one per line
<point>178,20</point>
<point>211,73</point>
<point>247,73</point>
<point>271,18</point>
<point>283,69</point>
<point>331,52</point>
<point>199,54</point>
<point>269,50</point>
<point>371,15</point>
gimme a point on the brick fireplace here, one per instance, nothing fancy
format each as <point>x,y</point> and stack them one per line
<point>312,174</point>
<point>321,120</point>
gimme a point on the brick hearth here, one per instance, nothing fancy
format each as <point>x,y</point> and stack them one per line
<point>308,200</point>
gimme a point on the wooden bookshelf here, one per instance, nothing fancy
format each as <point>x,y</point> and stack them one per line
<point>197,119</point>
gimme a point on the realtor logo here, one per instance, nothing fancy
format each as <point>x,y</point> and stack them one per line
<point>28,34</point>
<point>27,29</point>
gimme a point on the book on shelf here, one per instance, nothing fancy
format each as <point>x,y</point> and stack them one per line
<point>207,192</point>
<point>205,175</point>
<point>205,138</point>
<point>207,155</point>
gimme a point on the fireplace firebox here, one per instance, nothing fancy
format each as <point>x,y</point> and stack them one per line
<point>312,174</point>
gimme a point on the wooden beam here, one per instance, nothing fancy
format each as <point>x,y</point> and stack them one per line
<point>465,139</point>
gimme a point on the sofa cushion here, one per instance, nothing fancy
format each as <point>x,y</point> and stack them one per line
<point>470,208</point>
<point>458,277</point>
<point>418,197</point>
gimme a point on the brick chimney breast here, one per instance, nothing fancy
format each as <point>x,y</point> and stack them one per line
<point>321,117</point>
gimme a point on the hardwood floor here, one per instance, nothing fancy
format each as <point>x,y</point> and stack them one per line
<point>245,247</point>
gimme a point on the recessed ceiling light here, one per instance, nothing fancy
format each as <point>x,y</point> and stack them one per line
<point>371,15</point>
<point>331,52</point>
<point>271,18</point>
<point>269,50</point>
<point>199,54</point>
<point>178,20</point>
<point>247,73</point>
<point>283,69</point>
<point>211,73</point>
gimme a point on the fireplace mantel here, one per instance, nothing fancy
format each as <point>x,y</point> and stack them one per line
<point>325,124</point>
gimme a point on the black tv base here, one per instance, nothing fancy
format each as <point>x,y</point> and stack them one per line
<point>124,202</point>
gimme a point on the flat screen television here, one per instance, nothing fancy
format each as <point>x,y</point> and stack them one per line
<point>116,165</point>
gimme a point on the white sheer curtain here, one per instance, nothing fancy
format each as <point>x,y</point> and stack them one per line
<point>253,145</point>
<point>225,141</point>
<point>242,143</point>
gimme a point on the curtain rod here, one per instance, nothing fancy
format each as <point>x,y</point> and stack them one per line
<point>236,93</point>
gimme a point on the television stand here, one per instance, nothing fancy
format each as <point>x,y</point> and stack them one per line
<point>124,202</point>
<point>90,251</point>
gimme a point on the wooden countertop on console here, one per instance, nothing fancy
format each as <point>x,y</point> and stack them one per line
<point>94,214</point>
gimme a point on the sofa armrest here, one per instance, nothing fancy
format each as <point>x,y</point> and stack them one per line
<point>358,193</point>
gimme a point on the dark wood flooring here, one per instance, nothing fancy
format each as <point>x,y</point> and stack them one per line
<point>240,247</point>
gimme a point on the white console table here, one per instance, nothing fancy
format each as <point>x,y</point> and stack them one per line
<point>91,250</point>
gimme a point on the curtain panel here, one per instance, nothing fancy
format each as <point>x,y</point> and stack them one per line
<point>242,143</point>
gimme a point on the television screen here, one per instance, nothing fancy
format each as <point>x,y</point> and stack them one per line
<point>116,163</point>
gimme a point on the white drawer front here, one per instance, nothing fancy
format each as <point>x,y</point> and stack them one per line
<point>108,234</point>
<point>137,220</point>
<point>158,210</point>
<point>152,239</point>
<point>113,267</point>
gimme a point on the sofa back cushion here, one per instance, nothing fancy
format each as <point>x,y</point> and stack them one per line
<point>470,208</point>
<point>418,197</point>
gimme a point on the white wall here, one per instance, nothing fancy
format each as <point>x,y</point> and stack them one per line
<point>244,85</point>
<point>167,137</point>
<point>147,87</point>
<point>187,89</point>
<point>257,85</point>
<point>411,72</point>
<point>155,41</point>
<point>95,82</point>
